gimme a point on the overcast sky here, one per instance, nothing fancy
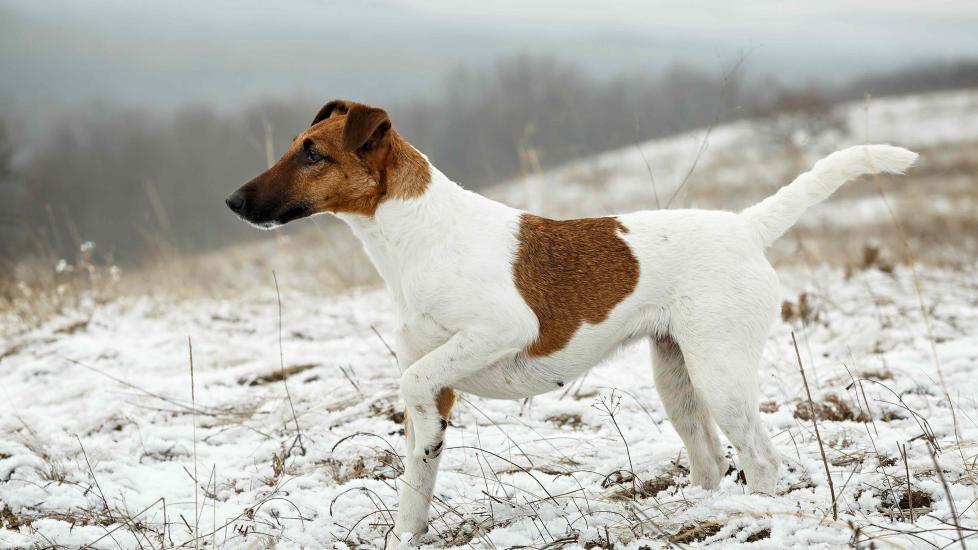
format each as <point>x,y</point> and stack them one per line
<point>57,55</point>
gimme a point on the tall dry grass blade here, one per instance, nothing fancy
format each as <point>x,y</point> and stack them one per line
<point>117,527</point>
<point>818,435</point>
<point>386,345</point>
<point>127,522</point>
<point>192,409</point>
<point>610,408</point>
<point>704,144</point>
<point>214,507</point>
<point>947,494</point>
<point>908,253</point>
<point>101,494</point>
<point>906,466</point>
<point>285,382</point>
<point>918,288</point>
<point>638,145</point>
<point>193,416</point>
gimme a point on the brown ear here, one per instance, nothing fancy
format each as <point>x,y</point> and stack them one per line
<point>365,127</point>
<point>338,106</point>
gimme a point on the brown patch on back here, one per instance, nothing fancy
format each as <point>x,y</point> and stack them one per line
<point>571,272</point>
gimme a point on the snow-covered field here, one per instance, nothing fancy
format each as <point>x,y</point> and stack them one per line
<point>99,444</point>
<point>291,433</point>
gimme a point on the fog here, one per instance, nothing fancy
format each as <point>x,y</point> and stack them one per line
<point>59,55</point>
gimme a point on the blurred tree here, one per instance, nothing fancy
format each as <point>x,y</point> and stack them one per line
<point>9,201</point>
<point>6,152</point>
<point>797,117</point>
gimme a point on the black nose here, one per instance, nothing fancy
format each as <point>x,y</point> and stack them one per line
<point>236,201</point>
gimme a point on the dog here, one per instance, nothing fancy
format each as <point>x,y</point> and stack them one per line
<point>500,303</point>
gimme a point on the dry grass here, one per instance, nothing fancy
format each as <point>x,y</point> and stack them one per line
<point>831,407</point>
<point>322,257</point>
<point>40,287</point>
<point>697,532</point>
<point>566,420</point>
<point>276,376</point>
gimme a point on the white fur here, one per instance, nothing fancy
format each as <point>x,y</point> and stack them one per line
<point>447,258</point>
<point>776,214</point>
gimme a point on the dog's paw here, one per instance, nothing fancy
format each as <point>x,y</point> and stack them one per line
<point>400,541</point>
<point>409,541</point>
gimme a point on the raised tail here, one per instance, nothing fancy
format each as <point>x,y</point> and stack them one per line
<point>774,215</point>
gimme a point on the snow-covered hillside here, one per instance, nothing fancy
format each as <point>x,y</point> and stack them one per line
<point>733,166</point>
<point>739,155</point>
<point>103,443</point>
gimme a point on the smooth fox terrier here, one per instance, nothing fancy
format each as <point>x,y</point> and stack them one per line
<point>500,303</point>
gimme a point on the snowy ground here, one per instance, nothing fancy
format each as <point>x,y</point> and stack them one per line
<point>99,441</point>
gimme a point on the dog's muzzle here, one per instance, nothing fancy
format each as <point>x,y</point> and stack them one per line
<point>264,216</point>
<point>236,202</point>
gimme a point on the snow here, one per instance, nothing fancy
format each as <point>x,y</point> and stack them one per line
<point>102,436</point>
<point>740,156</point>
<point>117,389</point>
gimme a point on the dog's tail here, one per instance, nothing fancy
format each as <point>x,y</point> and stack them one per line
<point>776,214</point>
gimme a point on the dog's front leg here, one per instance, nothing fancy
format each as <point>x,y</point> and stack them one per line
<point>414,491</point>
<point>462,356</point>
<point>426,389</point>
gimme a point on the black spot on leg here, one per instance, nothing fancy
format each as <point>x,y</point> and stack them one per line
<point>560,384</point>
<point>433,452</point>
<point>444,424</point>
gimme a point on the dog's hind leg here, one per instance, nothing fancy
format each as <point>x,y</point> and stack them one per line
<point>688,414</point>
<point>722,350</point>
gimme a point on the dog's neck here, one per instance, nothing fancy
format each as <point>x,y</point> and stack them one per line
<point>402,230</point>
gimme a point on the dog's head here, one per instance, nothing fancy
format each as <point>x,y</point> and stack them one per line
<point>345,162</point>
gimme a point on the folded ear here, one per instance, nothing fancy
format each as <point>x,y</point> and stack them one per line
<point>338,106</point>
<point>365,127</point>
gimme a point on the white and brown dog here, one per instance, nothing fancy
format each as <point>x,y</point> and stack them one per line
<point>500,303</point>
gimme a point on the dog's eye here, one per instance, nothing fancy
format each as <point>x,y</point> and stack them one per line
<point>311,156</point>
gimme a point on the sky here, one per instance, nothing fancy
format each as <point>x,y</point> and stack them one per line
<point>67,54</point>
